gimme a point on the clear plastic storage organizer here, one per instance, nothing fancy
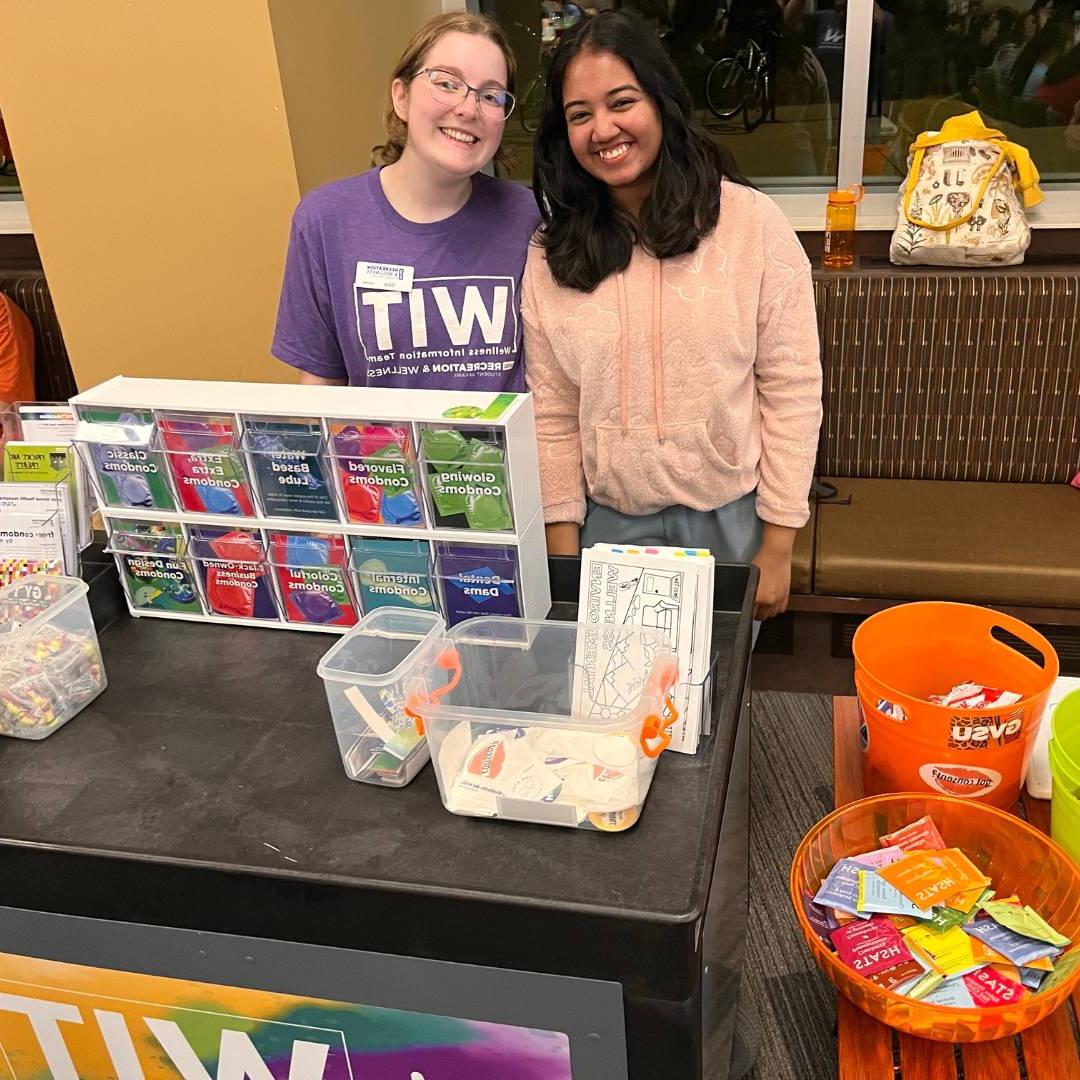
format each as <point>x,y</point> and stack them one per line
<point>549,722</point>
<point>50,662</point>
<point>368,676</point>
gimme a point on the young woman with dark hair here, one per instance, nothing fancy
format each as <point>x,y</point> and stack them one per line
<point>670,334</point>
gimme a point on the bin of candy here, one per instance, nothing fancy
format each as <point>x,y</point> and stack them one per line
<point>368,675</point>
<point>550,722</point>
<point>50,663</point>
<point>942,917</point>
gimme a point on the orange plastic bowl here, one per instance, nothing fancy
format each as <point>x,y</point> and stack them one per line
<point>1016,857</point>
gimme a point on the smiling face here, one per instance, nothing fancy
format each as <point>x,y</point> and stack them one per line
<point>613,126</point>
<point>458,138</point>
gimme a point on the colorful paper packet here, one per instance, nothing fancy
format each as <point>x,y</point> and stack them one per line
<point>899,977</point>
<point>920,835</point>
<point>1016,948</point>
<point>967,900</point>
<point>952,952</point>
<point>1064,966</point>
<point>1024,921</point>
<point>820,918</point>
<point>874,860</point>
<point>990,987</point>
<point>877,895</point>
<point>871,946</point>
<point>840,890</point>
<point>952,994</point>
<point>931,877</point>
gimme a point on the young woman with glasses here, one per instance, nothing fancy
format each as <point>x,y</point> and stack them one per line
<point>409,275</point>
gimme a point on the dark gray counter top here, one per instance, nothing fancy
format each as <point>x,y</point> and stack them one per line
<point>210,763</point>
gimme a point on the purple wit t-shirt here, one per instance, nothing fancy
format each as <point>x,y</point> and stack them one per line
<point>457,328</point>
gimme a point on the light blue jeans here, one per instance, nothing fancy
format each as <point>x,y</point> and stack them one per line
<point>732,533</point>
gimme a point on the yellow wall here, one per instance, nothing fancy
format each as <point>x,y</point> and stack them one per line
<point>335,58</point>
<point>162,148</point>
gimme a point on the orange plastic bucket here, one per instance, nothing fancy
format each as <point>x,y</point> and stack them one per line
<point>903,655</point>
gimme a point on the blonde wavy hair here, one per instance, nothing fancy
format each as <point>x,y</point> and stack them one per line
<point>410,65</point>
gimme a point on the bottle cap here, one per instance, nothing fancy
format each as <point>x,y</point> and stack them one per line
<point>848,196</point>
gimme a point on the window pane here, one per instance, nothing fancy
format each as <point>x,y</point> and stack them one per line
<point>1018,64</point>
<point>765,82</point>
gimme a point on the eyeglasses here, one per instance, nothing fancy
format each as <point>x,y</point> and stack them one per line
<point>449,89</point>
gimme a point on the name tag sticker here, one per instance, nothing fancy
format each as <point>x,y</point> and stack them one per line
<point>388,276</point>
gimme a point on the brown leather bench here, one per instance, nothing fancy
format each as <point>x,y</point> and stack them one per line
<point>1004,544</point>
<point>949,432</point>
<point>802,558</point>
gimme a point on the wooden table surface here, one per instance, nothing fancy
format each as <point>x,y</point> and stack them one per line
<point>868,1050</point>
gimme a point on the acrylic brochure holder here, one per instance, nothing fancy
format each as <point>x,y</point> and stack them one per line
<point>333,501</point>
<point>24,546</point>
<point>53,422</point>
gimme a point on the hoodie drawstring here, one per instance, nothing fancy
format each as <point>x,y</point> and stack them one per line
<point>658,372</point>
<point>624,350</point>
<point>624,353</point>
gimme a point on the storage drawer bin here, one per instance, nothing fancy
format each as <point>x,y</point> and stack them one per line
<point>50,663</point>
<point>557,723</point>
<point>368,675</point>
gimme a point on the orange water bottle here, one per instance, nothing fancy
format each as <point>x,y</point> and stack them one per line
<point>840,228</point>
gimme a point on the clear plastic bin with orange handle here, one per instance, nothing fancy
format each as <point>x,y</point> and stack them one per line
<point>549,722</point>
<point>1015,856</point>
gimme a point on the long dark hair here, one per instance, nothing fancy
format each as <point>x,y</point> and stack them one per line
<point>585,235</point>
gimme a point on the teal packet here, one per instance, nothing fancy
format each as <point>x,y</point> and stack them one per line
<point>393,573</point>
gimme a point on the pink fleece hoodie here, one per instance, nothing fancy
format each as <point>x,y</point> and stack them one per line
<point>687,381</point>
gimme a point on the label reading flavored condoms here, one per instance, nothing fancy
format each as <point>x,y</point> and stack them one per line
<point>963,781</point>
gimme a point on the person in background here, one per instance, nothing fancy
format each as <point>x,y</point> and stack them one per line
<point>670,332</point>
<point>1049,43</point>
<point>976,50</point>
<point>1061,89</point>
<point>1072,131</point>
<point>800,89</point>
<point>1022,31</point>
<point>825,33</point>
<point>409,275</point>
<point>16,363</point>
